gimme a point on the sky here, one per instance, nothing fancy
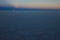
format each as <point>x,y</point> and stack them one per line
<point>31,3</point>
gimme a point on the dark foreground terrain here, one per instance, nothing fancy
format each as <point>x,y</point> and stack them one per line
<point>29,25</point>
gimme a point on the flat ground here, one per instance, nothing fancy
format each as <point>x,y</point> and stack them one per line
<point>29,25</point>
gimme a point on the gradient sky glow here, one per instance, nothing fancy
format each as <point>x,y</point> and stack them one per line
<point>32,3</point>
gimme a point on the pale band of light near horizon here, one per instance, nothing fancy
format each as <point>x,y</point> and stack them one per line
<point>55,4</point>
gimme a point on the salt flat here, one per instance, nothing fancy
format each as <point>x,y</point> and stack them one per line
<point>29,25</point>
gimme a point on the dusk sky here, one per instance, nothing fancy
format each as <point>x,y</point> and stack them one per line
<point>31,3</point>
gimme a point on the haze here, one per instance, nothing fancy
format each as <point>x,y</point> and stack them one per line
<point>31,3</point>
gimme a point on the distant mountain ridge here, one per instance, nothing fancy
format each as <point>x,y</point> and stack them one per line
<point>22,9</point>
<point>7,8</point>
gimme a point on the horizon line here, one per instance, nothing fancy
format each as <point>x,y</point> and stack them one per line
<point>27,7</point>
